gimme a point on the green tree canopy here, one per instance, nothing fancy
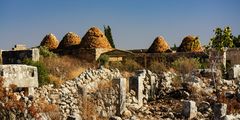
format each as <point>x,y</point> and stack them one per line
<point>236,41</point>
<point>108,34</point>
<point>222,38</point>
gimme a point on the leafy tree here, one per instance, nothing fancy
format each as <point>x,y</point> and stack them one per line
<point>222,38</point>
<point>108,34</point>
<point>174,47</point>
<point>236,41</point>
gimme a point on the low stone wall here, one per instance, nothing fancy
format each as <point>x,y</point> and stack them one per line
<point>87,93</point>
<point>233,55</point>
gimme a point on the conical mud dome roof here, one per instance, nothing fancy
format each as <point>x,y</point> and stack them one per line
<point>50,41</point>
<point>159,45</point>
<point>69,39</point>
<point>190,44</point>
<point>94,38</point>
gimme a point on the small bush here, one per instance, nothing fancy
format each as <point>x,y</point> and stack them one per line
<point>157,67</point>
<point>176,82</point>
<point>185,65</point>
<point>126,65</point>
<point>131,65</point>
<point>103,60</point>
<point>43,73</point>
<point>45,52</point>
<point>65,67</point>
<point>56,81</point>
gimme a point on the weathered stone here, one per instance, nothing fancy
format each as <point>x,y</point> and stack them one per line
<point>115,118</point>
<point>204,107</point>
<point>136,84</point>
<point>234,72</point>
<point>231,117</point>
<point>122,94</point>
<point>103,113</point>
<point>189,109</point>
<point>219,110</point>
<point>23,76</point>
<point>127,113</point>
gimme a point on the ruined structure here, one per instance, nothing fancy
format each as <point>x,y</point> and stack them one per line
<point>50,41</point>
<point>18,56</point>
<point>23,76</point>
<point>93,44</point>
<point>19,47</point>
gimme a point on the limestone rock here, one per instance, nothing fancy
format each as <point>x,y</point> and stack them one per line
<point>50,41</point>
<point>219,110</point>
<point>189,109</point>
<point>190,44</point>
<point>127,113</point>
<point>115,118</point>
<point>94,38</point>
<point>70,39</point>
<point>159,45</point>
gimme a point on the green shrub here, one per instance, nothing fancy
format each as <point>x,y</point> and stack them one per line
<point>45,52</point>
<point>43,73</point>
<point>103,60</point>
<point>126,65</point>
<point>116,64</point>
<point>131,65</point>
<point>185,65</point>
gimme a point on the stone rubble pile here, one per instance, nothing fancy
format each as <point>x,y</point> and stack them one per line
<point>68,96</point>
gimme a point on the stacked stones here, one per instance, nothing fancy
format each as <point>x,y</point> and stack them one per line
<point>95,38</point>
<point>70,95</point>
<point>190,44</point>
<point>159,45</point>
<point>70,39</point>
<point>50,41</point>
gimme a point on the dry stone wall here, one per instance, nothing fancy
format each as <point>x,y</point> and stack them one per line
<point>72,96</point>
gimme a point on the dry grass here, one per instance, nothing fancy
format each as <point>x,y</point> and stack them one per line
<point>103,85</point>
<point>233,105</point>
<point>74,73</point>
<point>157,67</point>
<point>64,68</point>
<point>89,109</point>
<point>129,65</point>
<point>51,110</point>
<point>55,80</point>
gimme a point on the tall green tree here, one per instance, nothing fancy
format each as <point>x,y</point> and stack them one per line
<point>236,41</point>
<point>108,34</point>
<point>222,38</point>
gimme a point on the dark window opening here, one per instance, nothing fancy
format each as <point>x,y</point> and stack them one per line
<point>2,73</point>
<point>32,73</point>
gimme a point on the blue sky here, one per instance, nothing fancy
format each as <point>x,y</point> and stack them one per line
<point>134,23</point>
